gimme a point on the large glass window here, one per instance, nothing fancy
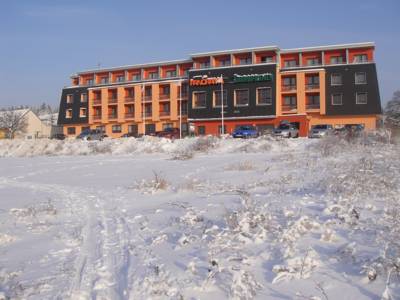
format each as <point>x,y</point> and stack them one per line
<point>360,58</point>
<point>290,101</point>
<point>361,98</point>
<point>264,96</point>
<point>336,79</point>
<point>360,77</point>
<point>337,99</point>
<point>313,61</point>
<point>242,97</point>
<point>116,128</point>
<point>217,98</point>
<point>336,60</point>
<point>290,63</point>
<point>199,99</point>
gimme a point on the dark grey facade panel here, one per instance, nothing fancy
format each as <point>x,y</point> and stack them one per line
<point>349,88</point>
<point>231,110</point>
<point>75,106</point>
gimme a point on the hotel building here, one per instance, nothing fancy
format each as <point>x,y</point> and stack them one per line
<point>261,86</point>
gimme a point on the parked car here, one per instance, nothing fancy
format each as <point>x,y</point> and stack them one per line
<point>170,133</point>
<point>245,131</point>
<point>92,135</point>
<point>58,136</point>
<point>129,134</point>
<point>286,130</point>
<point>319,131</point>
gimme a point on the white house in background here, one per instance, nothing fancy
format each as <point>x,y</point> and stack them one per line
<point>35,128</point>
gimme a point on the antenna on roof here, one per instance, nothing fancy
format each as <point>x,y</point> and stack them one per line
<point>98,65</point>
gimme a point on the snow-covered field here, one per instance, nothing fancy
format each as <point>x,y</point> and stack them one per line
<point>200,219</point>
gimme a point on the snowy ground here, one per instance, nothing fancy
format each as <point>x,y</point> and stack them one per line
<point>199,219</point>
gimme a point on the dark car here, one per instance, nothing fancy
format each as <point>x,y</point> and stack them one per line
<point>129,134</point>
<point>58,136</point>
<point>91,135</point>
<point>170,133</point>
<point>245,131</point>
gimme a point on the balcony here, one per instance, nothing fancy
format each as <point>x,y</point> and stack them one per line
<point>112,100</point>
<point>97,101</point>
<point>312,86</point>
<point>148,114</point>
<point>148,98</point>
<point>184,112</point>
<point>312,106</point>
<point>129,99</point>
<point>164,96</point>
<point>112,116</point>
<point>288,88</point>
<point>96,117</point>
<point>129,115</point>
<point>165,113</point>
<point>289,108</point>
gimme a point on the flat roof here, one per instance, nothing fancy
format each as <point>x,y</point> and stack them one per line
<point>329,47</point>
<point>147,65</point>
<point>242,50</point>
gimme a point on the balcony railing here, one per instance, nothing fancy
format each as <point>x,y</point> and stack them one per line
<point>148,98</point>
<point>129,99</point>
<point>184,113</point>
<point>289,108</point>
<point>164,96</point>
<point>286,88</point>
<point>96,117</point>
<point>97,102</point>
<point>112,100</point>
<point>312,86</point>
<point>312,106</point>
<point>112,116</point>
<point>129,115</point>
<point>164,113</point>
<point>148,114</point>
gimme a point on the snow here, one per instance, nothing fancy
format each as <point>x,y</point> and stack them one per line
<point>200,218</point>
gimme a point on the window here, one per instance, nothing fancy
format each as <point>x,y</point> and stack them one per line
<point>290,63</point>
<point>245,61</point>
<point>336,79</point>
<point>204,65</point>
<point>112,94</point>
<point>120,78</point>
<point>97,95</point>
<point>337,99</point>
<point>130,93</point>
<point>312,82</point>
<point>89,82</point>
<point>132,129</point>
<point>225,62</point>
<point>199,99</point>
<point>313,61</point>
<point>290,101</point>
<point>361,98</point>
<point>289,83</point>
<point>70,98</point>
<point>84,98</point>
<point>150,128</point>
<point>242,97</point>
<point>71,130</point>
<point>102,128</point>
<point>201,130</point>
<point>167,125</point>
<point>116,129</point>
<point>186,73</point>
<point>104,80</point>
<point>165,109</point>
<point>83,113</point>
<point>165,90</point>
<point>68,114</point>
<point>360,58</point>
<point>171,73</point>
<point>136,77</point>
<point>153,75</point>
<point>217,98</point>
<point>267,59</point>
<point>360,77</point>
<point>312,101</point>
<point>147,91</point>
<point>336,60</point>
<point>264,96</point>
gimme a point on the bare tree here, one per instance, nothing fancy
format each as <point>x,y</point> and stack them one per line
<point>13,121</point>
<point>392,110</point>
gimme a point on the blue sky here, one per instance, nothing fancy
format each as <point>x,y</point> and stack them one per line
<point>44,42</point>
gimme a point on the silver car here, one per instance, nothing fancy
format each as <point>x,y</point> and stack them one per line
<point>319,131</point>
<point>286,130</point>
